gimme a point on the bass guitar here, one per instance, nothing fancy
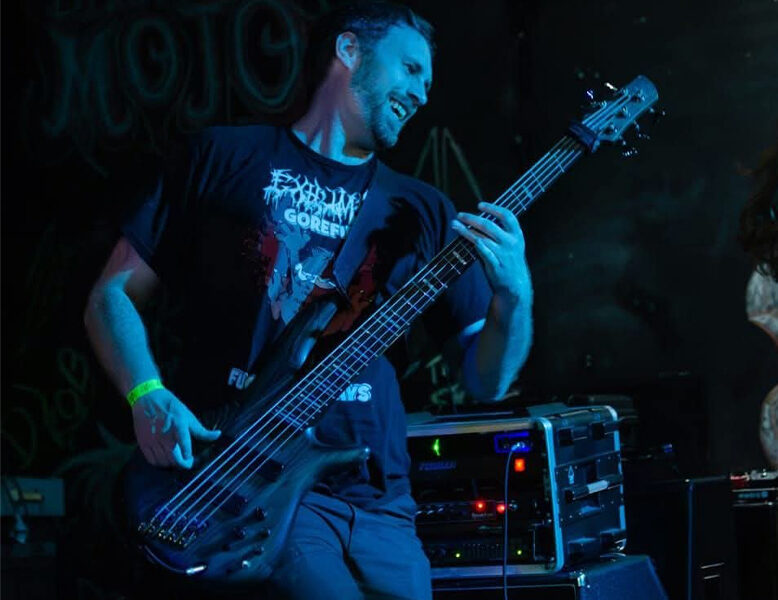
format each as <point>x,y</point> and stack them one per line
<point>226,520</point>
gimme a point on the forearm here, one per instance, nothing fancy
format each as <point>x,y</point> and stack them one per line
<point>497,353</point>
<point>495,356</point>
<point>119,338</point>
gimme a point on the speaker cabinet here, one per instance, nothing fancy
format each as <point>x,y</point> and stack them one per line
<point>618,578</point>
<point>686,526</point>
<point>756,527</point>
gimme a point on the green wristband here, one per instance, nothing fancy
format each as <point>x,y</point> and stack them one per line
<point>142,389</point>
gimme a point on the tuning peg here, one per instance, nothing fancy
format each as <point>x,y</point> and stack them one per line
<point>639,134</point>
<point>627,150</point>
<point>591,102</point>
<point>657,112</point>
<point>612,89</point>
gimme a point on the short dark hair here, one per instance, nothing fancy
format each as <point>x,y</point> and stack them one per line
<point>368,20</point>
<point>758,234</point>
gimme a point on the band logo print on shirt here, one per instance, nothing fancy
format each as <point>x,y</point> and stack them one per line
<point>357,392</point>
<point>308,220</point>
<point>319,209</point>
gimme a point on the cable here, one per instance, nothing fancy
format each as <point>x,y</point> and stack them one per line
<point>505,523</point>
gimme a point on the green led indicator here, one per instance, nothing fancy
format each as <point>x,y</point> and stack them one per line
<point>436,446</point>
<point>519,552</point>
<point>458,555</point>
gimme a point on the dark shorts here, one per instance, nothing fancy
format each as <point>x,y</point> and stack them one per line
<point>337,551</point>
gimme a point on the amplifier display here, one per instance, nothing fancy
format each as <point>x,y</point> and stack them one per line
<point>458,478</point>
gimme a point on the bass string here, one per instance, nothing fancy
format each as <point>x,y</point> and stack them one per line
<point>346,374</point>
<point>548,162</point>
<point>221,496</point>
<point>522,205</point>
<point>511,193</point>
<point>278,442</point>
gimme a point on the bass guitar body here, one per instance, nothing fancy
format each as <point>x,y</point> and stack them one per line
<point>226,520</point>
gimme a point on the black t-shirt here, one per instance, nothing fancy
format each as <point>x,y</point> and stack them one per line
<point>248,224</point>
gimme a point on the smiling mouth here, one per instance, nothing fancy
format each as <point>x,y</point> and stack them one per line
<point>398,109</point>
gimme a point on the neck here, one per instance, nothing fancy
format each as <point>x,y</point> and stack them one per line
<point>326,128</point>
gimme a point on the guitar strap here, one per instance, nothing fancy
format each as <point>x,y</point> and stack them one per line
<point>372,215</point>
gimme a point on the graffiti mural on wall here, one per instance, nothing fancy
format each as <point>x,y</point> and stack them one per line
<point>438,155</point>
<point>48,406</point>
<point>52,380</point>
<point>138,72</point>
<point>111,77</point>
<point>103,78</point>
<point>51,418</point>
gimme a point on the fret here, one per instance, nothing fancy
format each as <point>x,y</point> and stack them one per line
<point>328,380</point>
<point>431,292</point>
<point>431,283</point>
<point>460,259</point>
<point>388,321</point>
<point>289,418</point>
<point>527,192</point>
<point>351,364</point>
<point>456,261</point>
<point>522,205</point>
<point>540,185</point>
<point>558,164</point>
<point>358,353</point>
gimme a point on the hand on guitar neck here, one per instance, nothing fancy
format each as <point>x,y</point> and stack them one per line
<point>500,245</point>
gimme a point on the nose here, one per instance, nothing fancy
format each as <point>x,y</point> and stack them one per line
<point>418,94</point>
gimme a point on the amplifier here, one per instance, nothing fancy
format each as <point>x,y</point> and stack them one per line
<point>755,513</point>
<point>564,502</point>
<point>615,578</point>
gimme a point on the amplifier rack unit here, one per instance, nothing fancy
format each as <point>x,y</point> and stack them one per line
<point>564,502</point>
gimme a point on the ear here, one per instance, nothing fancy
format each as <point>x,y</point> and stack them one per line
<point>347,49</point>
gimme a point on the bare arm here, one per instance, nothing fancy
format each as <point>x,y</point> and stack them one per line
<point>112,322</point>
<point>494,355</point>
<point>163,425</point>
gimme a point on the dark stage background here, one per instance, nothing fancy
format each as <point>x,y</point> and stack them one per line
<point>639,280</point>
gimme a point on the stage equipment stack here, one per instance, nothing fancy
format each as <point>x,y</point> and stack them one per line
<point>564,504</point>
<point>31,509</point>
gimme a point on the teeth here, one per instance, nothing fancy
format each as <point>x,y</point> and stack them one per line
<point>398,109</point>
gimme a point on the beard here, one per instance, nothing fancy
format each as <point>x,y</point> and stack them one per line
<point>373,104</point>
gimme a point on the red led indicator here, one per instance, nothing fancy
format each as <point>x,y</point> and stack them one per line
<point>519,465</point>
<point>480,506</point>
<point>501,508</point>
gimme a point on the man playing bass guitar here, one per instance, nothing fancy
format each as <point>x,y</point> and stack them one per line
<point>248,225</point>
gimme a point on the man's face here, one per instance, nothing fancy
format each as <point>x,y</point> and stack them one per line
<point>391,83</point>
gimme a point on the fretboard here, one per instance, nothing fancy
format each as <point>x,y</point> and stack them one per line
<point>307,400</point>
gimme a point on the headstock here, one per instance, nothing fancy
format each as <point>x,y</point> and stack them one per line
<point>610,118</point>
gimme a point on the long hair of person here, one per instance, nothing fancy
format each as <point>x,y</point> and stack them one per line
<point>758,232</point>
